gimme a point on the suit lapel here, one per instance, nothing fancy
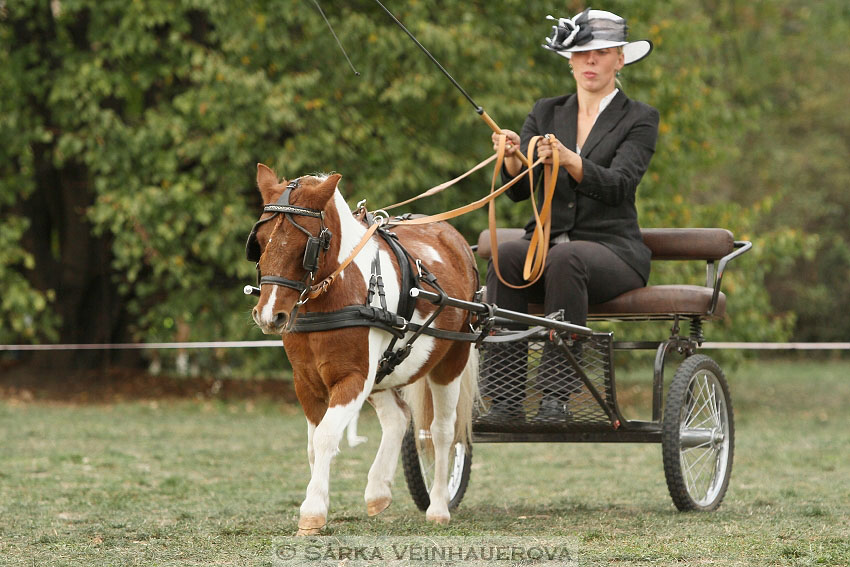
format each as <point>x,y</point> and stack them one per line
<point>566,122</point>
<point>609,118</point>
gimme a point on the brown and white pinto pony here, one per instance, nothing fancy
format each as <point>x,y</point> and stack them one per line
<point>334,371</point>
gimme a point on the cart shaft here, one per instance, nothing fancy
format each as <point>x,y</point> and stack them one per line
<point>515,316</point>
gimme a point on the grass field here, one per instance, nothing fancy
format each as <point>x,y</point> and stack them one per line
<point>200,482</point>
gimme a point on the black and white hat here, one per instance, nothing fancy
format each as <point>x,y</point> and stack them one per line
<point>595,29</point>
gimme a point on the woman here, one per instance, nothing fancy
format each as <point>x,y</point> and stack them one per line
<point>604,142</point>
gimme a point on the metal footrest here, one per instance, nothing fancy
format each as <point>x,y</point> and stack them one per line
<point>531,385</point>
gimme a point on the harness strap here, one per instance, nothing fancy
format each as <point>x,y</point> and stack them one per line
<point>321,287</point>
<point>409,280</point>
<point>393,358</point>
<point>351,316</point>
<point>277,280</point>
<point>367,316</point>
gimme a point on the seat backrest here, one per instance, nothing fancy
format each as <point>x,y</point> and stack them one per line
<point>688,243</point>
<point>665,243</point>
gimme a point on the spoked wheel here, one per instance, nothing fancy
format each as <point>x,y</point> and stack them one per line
<point>698,436</point>
<point>417,456</point>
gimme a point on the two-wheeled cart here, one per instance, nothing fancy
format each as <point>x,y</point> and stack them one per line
<point>550,359</point>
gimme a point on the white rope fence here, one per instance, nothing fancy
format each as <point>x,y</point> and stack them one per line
<point>277,343</point>
<point>777,346</point>
<point>144,346</point>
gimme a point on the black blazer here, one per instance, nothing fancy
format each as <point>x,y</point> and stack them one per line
<point>615,156</point>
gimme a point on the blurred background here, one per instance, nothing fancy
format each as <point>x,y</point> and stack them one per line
<point>131,131</point>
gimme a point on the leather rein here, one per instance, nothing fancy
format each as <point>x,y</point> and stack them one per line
<point>310,289</point>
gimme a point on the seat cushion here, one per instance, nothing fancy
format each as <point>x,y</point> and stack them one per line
<point>657,300</point>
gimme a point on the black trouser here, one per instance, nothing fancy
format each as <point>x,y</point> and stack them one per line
<point>577,273</point>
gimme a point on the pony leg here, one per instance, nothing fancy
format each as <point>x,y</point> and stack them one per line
<point>394,417</point>
<point>351,434</point>
<point>326,438</point>
<point>442,435</point>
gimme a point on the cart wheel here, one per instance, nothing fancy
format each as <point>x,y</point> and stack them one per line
<point>417,456</point>
<point>698,435</point>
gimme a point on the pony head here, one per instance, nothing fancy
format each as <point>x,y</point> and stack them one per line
<point>294,240</point>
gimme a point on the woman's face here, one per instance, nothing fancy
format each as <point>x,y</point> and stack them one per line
<point>596,70</point>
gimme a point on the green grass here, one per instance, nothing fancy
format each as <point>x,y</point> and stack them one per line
<point>214,483</point>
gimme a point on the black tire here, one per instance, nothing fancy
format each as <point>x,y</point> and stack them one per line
<point>698,435</point>
<point>417,457</point>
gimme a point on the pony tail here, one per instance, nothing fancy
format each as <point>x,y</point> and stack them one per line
<point>469,399</point>
<point>419,400</point>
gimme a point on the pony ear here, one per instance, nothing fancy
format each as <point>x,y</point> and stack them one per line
<point>266,181</point>
<point>326,188</point>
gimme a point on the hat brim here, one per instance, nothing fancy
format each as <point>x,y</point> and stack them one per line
<point>633,51</point>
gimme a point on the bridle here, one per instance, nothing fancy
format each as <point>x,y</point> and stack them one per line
<point>315,245</point>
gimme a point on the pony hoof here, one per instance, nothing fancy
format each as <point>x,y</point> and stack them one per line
<point>310,525</point>
<point>444,520</point>
<point>377,506</point>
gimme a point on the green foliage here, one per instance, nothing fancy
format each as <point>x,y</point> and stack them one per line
<point>166,107</point>
<point>795,153</point>
<point>31,307</point>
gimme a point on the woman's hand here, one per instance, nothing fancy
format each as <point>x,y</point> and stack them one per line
<point>512,163</point>
<point>548,146</point>
<point>567,158</point>
<point>511,144</point>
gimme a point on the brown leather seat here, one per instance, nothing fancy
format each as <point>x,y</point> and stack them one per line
<point>660,302</point>
<point>656,301</point>
<point>688,243</point>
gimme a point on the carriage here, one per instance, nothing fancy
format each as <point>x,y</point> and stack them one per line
<point>406,318</point>
<point>694,422</point>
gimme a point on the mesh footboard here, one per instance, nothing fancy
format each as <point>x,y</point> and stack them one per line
<point>530,385</point>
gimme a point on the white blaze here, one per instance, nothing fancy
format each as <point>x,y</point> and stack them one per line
<point>267,314</point>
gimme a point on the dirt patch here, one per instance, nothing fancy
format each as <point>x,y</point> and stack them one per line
<point>125,384</point>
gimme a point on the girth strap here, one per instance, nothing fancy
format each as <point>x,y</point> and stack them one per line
<point>367,316</point>
<point>351,316</point>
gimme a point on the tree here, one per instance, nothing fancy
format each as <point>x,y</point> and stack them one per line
<point>134,130</point>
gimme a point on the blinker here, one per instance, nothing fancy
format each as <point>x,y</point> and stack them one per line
<point>252,247</point>
<point>311,254</point>
<point>315,244</point>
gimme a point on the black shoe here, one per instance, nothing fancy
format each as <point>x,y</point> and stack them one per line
<point>553,409</point>
<point>504,411</point>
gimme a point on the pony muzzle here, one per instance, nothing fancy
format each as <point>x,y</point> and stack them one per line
<point>274,324</point>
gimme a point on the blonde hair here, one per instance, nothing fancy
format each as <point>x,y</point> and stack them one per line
<point>617,82</point>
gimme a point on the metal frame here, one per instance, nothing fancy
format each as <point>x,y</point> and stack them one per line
<point>620,430</point>
<point>625,430</point>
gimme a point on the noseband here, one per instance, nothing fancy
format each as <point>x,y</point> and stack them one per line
<point>315,245</point>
